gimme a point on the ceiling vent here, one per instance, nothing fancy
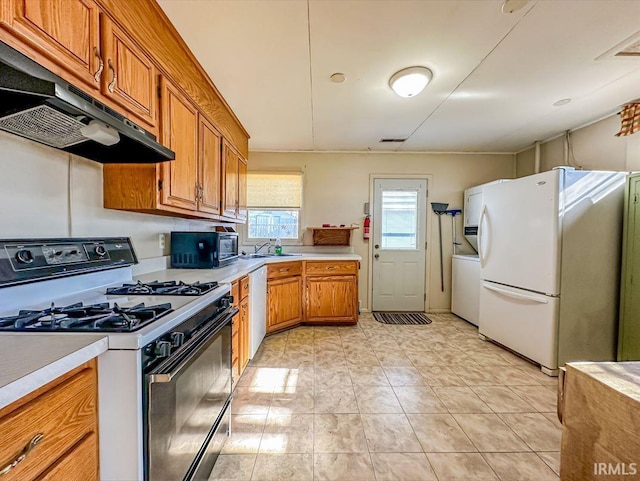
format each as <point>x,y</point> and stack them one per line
<point>390,141</point>
<point>628,48</point>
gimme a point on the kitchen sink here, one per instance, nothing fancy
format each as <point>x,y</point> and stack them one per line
<point>260,255</point>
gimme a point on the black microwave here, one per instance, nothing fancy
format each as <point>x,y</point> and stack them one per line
<point>203,250</point>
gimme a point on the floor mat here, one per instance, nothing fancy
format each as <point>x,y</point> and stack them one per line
<point>401,317</point>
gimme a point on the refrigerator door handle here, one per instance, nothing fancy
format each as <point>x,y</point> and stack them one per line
<point>515,295</point>
<point>480,246</point>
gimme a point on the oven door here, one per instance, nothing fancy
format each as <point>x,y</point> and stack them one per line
<point>187,395</point>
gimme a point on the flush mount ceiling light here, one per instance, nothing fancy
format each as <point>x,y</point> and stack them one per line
<point>510,6</point>
<point>409,82</point>
<point>562,102</point>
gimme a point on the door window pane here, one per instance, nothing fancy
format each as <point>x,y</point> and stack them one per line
<point>399,223</point>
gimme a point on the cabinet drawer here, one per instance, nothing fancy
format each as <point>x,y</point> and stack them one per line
<point>323,268</point>
<point>284,269</point>
<point>244,287</point>
<point>79,464</point>
<point>64,415</point>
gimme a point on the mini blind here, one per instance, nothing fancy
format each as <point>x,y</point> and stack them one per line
<point>274,190</point>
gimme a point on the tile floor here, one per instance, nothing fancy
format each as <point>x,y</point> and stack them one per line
<point>391,403</point>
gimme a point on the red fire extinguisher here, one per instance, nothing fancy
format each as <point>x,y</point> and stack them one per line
<point>367,225</point>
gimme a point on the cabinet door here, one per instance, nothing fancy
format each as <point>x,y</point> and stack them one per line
<point>179,132</point>
<point>130,78</point>
<point>242,190</point>
<point>331,298</point>
<point>66,32</point>
<point>81,463</point>
<point>284,303</point>
<point>210,167</point>
<point>230,181</point>
<point>244,333</point>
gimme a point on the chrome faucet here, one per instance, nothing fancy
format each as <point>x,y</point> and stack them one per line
<point>257,247</point>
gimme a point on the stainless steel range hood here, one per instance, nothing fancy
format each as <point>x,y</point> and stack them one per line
<point>40,106</point>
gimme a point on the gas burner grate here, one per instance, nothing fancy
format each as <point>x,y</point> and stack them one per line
<point>78,317</point>
<point>168,288</point>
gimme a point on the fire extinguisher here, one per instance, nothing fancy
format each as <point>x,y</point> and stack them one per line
<point>367,225</point>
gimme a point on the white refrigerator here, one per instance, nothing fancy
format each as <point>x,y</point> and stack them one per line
<point>549,247</point>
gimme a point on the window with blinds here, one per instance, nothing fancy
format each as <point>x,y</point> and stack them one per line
<point>274,201</point>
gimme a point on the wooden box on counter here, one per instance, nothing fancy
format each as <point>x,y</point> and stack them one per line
<point>599,405</point>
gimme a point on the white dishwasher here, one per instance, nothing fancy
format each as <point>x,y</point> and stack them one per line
<point>257,308</point>
<point>465,287</point>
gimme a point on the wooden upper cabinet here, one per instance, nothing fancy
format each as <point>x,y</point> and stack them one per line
<point>230,163</point>
<point>179,132</point>
<point>210,167</point>
<point>65,32</point>
<point>242,190</point>
<point>130,78</point>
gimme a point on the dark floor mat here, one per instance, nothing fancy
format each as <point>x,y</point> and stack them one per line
<point>401,317</point>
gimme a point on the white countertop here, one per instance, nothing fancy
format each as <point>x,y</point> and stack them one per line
<point>29,361</point>
<point>238,269</point>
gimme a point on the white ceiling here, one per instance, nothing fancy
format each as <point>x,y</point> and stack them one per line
<point>495,78</point>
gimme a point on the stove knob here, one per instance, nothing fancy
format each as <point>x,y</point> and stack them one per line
<point>24,257</point>
<point>162,349</point>
<point>177,339</point>
<point>100,250</point>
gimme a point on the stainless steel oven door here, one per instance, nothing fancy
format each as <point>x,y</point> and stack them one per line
<point>186,396</point>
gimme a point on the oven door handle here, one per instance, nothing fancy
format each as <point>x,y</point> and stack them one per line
<point>193,346</point>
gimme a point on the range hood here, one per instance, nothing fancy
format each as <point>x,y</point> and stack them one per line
<point>40,106</point>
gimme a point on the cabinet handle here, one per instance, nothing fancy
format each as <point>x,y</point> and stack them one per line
<point>197,192</point>
<point>284,269</point>
<point>112,84</point>
<point>23,454</point>
<point>96,76</point>
<point>330,268</point>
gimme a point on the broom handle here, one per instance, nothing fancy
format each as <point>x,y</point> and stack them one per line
<point>441,261</point>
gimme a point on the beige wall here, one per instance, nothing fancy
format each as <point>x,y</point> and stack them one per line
<point>337,186</point>
<point>48,193</point>
<point>595,147</point>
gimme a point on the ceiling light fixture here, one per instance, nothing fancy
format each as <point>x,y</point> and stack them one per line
<point>409,82</point>
<point>562,102</point>
<point>510,6</point>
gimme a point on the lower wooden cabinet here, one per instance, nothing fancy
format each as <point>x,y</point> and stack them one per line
<point>244,333</point>
<point>284,302</point>
<point>78,464</point>
<point>240,336</point>
<point>330,294</point>
<point>331,299</point>
<point>60,422</point>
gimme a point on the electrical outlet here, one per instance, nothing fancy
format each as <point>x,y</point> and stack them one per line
<point>161,241</point>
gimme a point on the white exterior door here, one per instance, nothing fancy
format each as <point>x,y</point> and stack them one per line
<point>399,233</point>
<point>519,243</point>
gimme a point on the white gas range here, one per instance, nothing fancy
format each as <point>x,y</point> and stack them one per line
<point>164,383</point>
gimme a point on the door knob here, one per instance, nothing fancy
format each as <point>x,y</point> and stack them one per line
<point>376,256</point>
<point>377,246</point>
